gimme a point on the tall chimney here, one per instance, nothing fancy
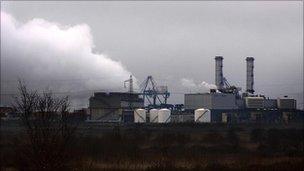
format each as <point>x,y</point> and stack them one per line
<point>219,72</point>
<point>131,84</point>
<point>250,77</point>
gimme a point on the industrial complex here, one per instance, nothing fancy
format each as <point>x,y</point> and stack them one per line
<point>226,103</point>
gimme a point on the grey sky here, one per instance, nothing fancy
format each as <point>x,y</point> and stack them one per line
<point>175,40</point>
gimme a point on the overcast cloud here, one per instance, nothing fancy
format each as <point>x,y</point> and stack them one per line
<point>178,40</point>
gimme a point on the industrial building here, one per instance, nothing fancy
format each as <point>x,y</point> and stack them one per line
<point>286,103</point>
<point>120,106</point>
<point>110,106</point>
<point>210,101</point>
<point>227,104</point>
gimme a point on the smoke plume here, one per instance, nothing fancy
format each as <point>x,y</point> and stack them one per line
<point>208,85</point>
<point>188,83</point>
<point>197,88</point>
<point>44,53</point>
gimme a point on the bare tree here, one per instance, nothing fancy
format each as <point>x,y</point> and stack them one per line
<point>49,129</point>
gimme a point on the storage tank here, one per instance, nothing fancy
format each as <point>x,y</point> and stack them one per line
<point>164,116</point>
<point>154,115</point>
<point>202,115</point>
<point>139,115</point>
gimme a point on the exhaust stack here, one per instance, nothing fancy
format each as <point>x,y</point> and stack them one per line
<point>219,72</point>
<point>250,76</point>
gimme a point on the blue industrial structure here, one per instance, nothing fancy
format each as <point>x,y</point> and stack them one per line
<point>154,96</point>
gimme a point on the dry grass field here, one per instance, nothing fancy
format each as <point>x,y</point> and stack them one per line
<point>170,147</point>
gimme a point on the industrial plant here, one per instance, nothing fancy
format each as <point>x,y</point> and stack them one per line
<point>225,104</point>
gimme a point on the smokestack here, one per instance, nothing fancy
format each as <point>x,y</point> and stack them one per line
<point>219,72</point>
<point>131,84</point>
<point>249,78</point>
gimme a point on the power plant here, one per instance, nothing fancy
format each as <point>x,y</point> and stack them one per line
<point>226,103</point>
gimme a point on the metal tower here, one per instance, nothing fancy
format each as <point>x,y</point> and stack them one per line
<point>156,96</point>
<point>130,84</point>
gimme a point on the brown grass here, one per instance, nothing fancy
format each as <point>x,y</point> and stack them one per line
<point>159,148</point>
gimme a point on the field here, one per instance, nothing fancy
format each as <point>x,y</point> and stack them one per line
<point>171,147</point>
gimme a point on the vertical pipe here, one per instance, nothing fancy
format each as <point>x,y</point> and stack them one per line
<point>250,76</point>
<point>219,72</point>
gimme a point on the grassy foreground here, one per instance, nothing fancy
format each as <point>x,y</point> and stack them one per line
<point>170,147</point>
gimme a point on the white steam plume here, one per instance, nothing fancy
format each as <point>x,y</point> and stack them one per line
<point>188,83</point>
<point>193,87</point>
<point>208,85</point>
<point>58,56</point>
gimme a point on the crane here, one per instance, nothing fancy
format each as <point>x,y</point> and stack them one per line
<point>228,88</point>
<point>156,96</point>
